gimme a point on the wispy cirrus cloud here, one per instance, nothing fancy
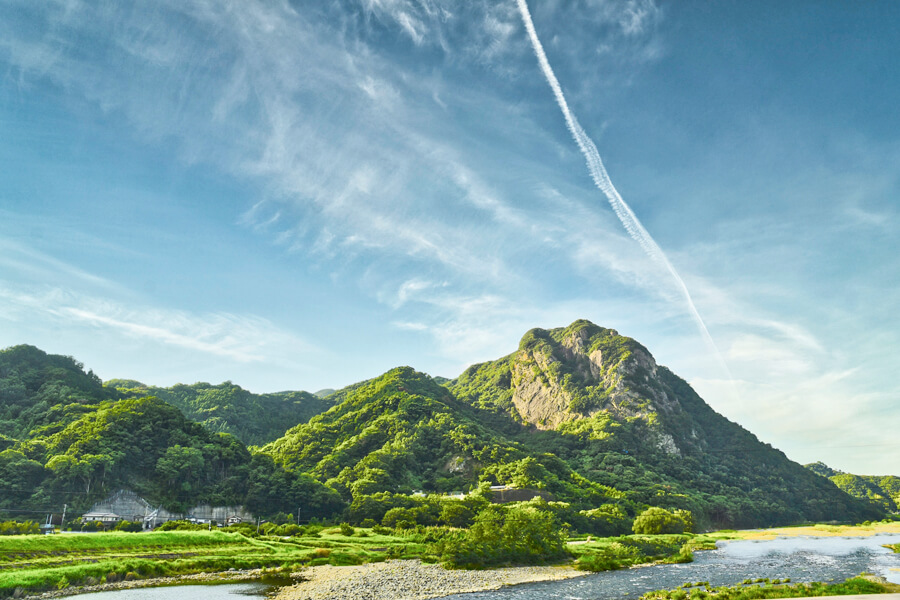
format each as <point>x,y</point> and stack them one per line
<point>242,338</point>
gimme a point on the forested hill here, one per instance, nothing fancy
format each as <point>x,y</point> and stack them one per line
<point>579,412</point>
<point>599,401</point>
<point>253,418</point>
<point>881,490</point>
<point>35,385</point>
<point>67,439</point>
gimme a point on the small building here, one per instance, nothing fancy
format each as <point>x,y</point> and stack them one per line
<point>102,517</point>
<point>125,505</point>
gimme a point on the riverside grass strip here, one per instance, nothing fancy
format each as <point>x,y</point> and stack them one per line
<point>36,563</point>
<point>766,589</point>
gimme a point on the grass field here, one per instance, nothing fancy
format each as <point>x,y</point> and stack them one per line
<point>30,563</point>
<point>34,562</point>
<point>764,588</point>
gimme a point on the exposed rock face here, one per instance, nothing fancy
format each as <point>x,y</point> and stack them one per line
<point>569,374</point>
<point>539,402</point>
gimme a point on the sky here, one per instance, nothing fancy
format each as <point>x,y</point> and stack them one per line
<point>303,195</point>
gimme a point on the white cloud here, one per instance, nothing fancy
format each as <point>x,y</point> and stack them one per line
<point>240,338</point>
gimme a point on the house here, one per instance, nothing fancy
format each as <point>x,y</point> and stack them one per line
<point>126,505</point>
<point>101,516</point>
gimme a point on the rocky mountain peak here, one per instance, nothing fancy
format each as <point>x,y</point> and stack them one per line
<point>579,371</point>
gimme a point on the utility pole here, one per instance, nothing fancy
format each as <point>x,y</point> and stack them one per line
<point>257,524</point>
<point>62,523</point>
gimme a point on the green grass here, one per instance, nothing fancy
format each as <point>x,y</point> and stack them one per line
<point>35,562</point>
<point>762,589</point>
<point>607,554</point>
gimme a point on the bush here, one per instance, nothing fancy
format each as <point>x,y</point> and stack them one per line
<point>17,528</point>
<point>181,526</point>
<point>657,520</point>
<point>401,518</point>
<point>346,529</point>
<point>524,534</point>
<point>129,526</point>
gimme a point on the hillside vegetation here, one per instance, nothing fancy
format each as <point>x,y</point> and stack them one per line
<point>580,416</point>
<point>70,440</point>
<point>228,408</point>
<point>882,491</point>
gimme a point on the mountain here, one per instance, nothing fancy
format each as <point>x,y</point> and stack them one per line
<point>32,382</point>
<point>580,412</point>
<point>599,401</point>
<point>68,439</point>
<point>882,491</point>
<point>403,432</point>
<point>253,418</point>
<point>580,415</point>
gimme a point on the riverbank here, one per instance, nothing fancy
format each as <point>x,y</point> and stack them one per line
<point>820,530</point>
<point>390,580</point>
<point>410,580</point>
<point>250,575</point>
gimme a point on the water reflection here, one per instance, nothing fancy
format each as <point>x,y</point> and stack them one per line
<point>222,591</point>
<point>802,559</point>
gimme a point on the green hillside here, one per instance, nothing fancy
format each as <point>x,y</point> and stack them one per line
<point>580,415</point>
<point>580,412</point>
<point>882,491</point>
<point>600,402</point>
<point>67,439</point>
<point>33,383</point>
<point>227,408</point>
<point>403,432</point>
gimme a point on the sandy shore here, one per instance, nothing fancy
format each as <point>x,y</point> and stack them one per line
<point>410,580</point>
<point>819,531</point>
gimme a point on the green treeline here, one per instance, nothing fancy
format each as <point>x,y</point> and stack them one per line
<point>580,416</point>
<point>882,491</point>
<point>70,440</point>
<point>255,419</point>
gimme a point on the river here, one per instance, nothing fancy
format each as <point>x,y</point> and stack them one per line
<point>802,559</point>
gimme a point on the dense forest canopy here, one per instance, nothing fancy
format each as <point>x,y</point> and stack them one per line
<point>253,418</point>
<point>581,416</point>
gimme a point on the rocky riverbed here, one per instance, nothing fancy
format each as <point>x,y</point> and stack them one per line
<point>234,576</point>
<point>409,580</point>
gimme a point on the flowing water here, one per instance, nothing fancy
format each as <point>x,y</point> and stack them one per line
<point>802,559</point>
<point>220,591</point>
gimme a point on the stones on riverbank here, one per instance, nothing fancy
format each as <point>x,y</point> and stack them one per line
<point>198,578</point>
<point>409,580</point>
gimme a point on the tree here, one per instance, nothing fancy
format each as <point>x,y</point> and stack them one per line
<point>656,520</point>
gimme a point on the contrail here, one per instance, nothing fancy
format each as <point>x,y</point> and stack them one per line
<point>602,181</point>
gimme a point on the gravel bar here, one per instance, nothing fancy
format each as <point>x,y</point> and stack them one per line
<point>409,580</point>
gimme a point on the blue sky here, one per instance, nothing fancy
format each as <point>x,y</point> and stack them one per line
<point>304,195</point>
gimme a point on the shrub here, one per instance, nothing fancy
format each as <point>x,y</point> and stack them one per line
<point>657,520</point>
<point>129,526</point>
<point>346,529</point>
<point>17,528</point>
<point>501,535</point>
<point>402,518</point>
<point>181,526</point>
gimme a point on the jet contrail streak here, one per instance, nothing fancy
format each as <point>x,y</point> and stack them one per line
<point>602,181</point>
